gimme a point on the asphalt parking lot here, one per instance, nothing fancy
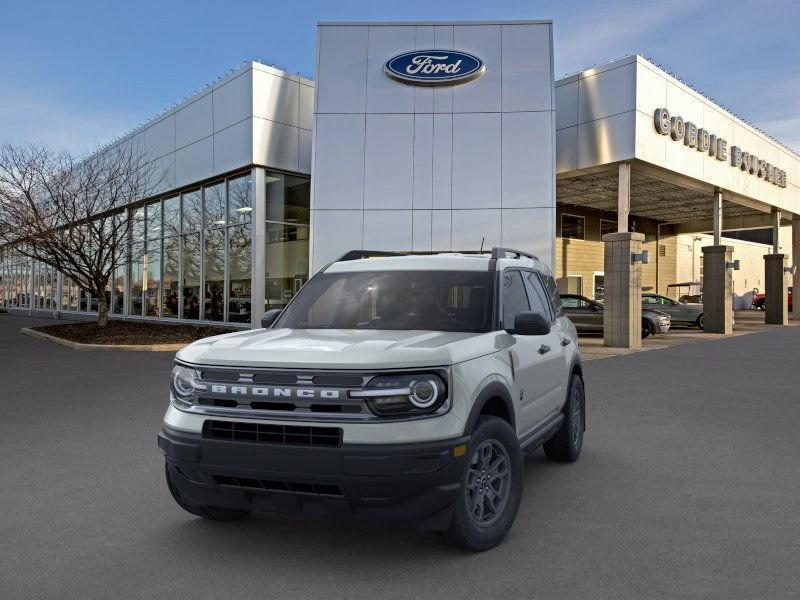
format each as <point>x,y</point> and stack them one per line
<point>688,487</point>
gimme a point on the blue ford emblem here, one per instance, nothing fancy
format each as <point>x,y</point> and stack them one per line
<point>434,67</point>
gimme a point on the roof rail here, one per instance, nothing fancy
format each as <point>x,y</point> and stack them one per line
<point>358,254</point>
<point>498,252</point>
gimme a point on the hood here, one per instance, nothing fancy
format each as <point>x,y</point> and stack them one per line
<point>338,348</point>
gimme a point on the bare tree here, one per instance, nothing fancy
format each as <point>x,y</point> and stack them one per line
<point>70,213</point>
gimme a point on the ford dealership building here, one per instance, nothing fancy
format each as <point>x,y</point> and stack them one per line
<point>447,136</point>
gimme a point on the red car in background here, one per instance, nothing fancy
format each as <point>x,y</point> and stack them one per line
<point>760,300</point>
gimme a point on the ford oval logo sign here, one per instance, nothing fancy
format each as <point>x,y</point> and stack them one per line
<point>434,67</point>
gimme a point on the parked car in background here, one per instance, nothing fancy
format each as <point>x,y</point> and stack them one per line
<point>760,300</point>
<point>681,313</point>
<point>587,316</point>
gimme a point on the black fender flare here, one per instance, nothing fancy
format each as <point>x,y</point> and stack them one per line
<point>495,389</point>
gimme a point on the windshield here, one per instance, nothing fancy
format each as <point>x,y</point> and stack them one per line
<point>433,300</point>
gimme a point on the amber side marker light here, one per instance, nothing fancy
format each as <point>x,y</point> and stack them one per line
<point>460,450</point>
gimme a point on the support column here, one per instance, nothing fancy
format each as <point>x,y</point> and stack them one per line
<point>776,231</point>
<point>717,217</point>
<point>717,289</point>
<point>622,313</point>
<point>258,234</point>
<point>796,263</point>
<point>623,197</point>
<point>776,289</point>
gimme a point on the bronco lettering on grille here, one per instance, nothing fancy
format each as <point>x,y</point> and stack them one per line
<point>276,392</point>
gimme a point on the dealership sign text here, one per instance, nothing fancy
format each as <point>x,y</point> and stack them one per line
<point>434,67</point>
<point>706,142</point>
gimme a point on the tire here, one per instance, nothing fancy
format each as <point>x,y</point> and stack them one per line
<point>647,329</point>
<point>700,322</point>
<point>566,444</point>
<point>478,532</point>
<point>215,513</point>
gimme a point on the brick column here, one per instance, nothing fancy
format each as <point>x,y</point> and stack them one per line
<point>622,312</point>
<point>777,312</point>
<point>717,290</point>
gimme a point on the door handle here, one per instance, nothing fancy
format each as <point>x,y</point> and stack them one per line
<point>566,341</point>
<point>544,349</point>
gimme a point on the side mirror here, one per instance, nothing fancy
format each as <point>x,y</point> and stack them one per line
<point>531,323</point>
<point>270,317</point>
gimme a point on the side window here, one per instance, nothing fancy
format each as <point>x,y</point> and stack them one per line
<point>570,303</point>
<point>649,300</point>
<point>515,300</point>
<point>537,295</point>
<point>551,289</point>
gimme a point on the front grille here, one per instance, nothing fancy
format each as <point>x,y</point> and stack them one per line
<point>273,434</point>
<point>288,487</point>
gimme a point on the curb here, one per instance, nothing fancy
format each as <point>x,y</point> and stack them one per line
<point>123,347</point>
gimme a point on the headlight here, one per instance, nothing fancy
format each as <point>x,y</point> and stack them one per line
<point>404,394</point>
<point>184,382</point>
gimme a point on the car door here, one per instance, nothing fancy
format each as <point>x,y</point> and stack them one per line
<point>536,359</point>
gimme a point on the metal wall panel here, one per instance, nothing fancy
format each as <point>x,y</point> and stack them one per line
<point>421,230</point>
<point>304,150</point>
<point>442,161</point>
<point>607,93</point>
<point>388,173</point>
<point>385,95</point>
<point>306,108</point>
<point>529,229</point>
<point>338,169</point>
<point>342,69</point>
<point>606,140</point>
<point>194,162</point>
<point>567,105</point>
<point>334,232</point>
<point>387,229</point>
<point>233,101</point>
<point>483,94</point>
<point>566,149</point>
<point>527,77</point>
<point>194,121</point>
<point>476,160</point>
<point>233,146</point>
<point>276,98</point>
<point>423,165</point>
<point>527,165</point>
<point>470,227</point>
<point>275,145</point>
<point>159,138</point>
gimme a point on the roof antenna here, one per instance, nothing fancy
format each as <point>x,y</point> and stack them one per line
<point>483,239</point>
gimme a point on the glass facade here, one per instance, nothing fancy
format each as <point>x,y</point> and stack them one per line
<point>190,256</point>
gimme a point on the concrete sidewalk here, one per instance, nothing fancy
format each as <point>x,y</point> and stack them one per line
<point>747,321</point>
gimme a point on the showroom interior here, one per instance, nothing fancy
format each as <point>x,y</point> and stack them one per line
<point>623,155</point>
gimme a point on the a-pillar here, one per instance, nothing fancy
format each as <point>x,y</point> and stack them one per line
<point>622,313</point>
<point>717,289</point>
<point>796,263</point>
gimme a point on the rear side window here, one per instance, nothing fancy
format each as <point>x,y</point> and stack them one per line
<point>515,299</point>
<point>551,289</point>
<point>538,297</point>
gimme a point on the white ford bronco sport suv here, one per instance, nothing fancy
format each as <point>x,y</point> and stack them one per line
<point>401,388</point>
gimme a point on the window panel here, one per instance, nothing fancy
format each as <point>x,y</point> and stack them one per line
<point>119,291</point>
<point>287,263</point>
<point>137,225</point>
<point>239,273</point>
<point>572,227</point>
<point>170,276</point>
<point>214,199</point>
<point>536,295</point>
<point>152,278</point>
<point>172,216</point>
<point>153,221</point>
<point>192,211</point>
<point>135,282</point>
<point>239,209</point>
<point>214,290</point>
<point>191,276</point>
<point>515,300</point>
<point>288,198</point>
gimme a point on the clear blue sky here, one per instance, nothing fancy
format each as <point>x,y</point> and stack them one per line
<point>74,74</point>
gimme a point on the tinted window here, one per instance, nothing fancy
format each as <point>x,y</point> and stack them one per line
<point>649,300</point>
<point>536,295</point>
<point>515,300</point>
<point>574,303</point>
<point>552,293</point>
<point>395,300</point>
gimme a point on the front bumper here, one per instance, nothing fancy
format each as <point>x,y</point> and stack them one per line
<point>409,483</point>
<point>663,326</point>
